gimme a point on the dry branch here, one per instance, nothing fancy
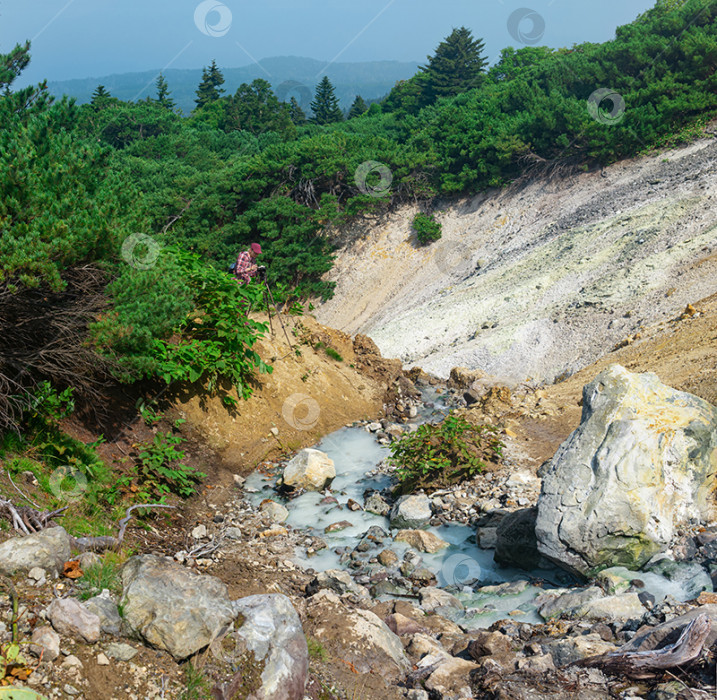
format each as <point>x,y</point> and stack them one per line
<point>646,664</point>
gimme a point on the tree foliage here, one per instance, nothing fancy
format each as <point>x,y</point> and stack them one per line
<point>325,104</point>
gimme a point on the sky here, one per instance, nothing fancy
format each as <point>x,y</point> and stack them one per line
<point>93,38</point>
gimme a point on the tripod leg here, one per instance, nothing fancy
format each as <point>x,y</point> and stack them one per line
<point>268,312</point>
<point>278,315</point>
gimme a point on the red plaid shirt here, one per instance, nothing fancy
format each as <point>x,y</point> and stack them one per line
<point>246,267</point>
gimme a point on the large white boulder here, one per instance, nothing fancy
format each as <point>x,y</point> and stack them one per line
<point>310,469</point>
<point>641,465</point>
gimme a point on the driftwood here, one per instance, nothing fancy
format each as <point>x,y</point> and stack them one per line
<point>29,520</point>
<point>647,664</point>
<point>100,544</point>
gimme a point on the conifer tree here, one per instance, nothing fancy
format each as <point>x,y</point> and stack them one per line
<point>210,89</point>
<point>163,93</point>
<point>325,104</point>
<point>358,107</point>
<point>100,94</point>
<point>457,66</point>
<point>296,114</point>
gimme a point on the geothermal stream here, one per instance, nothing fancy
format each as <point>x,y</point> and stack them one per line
<point>487,591</point>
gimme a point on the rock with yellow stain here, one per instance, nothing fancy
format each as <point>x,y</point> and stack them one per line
<point>642,463</point>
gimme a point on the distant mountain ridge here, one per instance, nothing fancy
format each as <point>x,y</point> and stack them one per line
<point>288,75</point>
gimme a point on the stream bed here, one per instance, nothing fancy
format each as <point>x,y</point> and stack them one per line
<point>487,591</point>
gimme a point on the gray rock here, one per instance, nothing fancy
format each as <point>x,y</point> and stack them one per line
<point>88,559</point>
<point>615,608</point>
<point>173,608</point>
<point>272,632</point>
<point>310,469</point>
<point>375,503</point>
<point>515,543</point>
<point>276,512</point>
<point>410,512</point>
<point>106,609</point>
<point>71,618</point>
<point>121,651</point>
<point>45,642</point>
<point>336,580</point>
<point>48,549</point>
<point>434,598</point>
<point>641,465</point>
<point>568,603</point>
<point>565,651</point>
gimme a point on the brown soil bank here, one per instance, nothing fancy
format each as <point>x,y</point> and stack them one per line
<point>309,393</point>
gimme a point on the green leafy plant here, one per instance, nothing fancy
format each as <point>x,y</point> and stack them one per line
<point>160,469</point>
<point>435,456</point>
<point>427,228</point>
<point>197,685</point>
<point>334,354</point>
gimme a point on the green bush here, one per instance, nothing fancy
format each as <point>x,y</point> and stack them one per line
<point>427,228</point>
<point>435,456</point>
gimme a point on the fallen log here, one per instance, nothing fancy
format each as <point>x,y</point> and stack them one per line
<point>649,663</point>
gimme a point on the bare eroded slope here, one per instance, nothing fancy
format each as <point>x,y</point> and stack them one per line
<point>533,281</point>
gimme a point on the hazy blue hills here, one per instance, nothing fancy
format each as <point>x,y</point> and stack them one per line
<point>288,75</point>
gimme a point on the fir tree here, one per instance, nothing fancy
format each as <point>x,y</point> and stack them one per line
<point>296,114</point>
<point>163,93</point>
<point>358,107</point>
<point>210,89</point>
<point>325,104</point>
<point>101,94</point>
<point>457,66</point>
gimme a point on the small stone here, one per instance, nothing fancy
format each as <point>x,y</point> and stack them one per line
<point>45,642</point>
<point>37,574</point>
<point>276,512</point>
<point>88,559</point>
<point>232,533</point>
<point>71,618</point>
<point>199,532</point>
<point>373,427</point>
<point>70,689</point>
<point>239,480</point>
<point>102,660</point>
<point>421,540</point>
<point>353,505</point>
<point>120,651</point>
<point>387,557</point>
<point>72,662</point>
<point>336,527</point>
<point>274,432</point>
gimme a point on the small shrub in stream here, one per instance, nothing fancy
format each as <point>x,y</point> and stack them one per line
<point>436,456</point>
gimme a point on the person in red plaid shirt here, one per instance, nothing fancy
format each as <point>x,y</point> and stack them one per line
<point>246,266</point>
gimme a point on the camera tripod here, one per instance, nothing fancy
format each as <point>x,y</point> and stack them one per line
<point>269,302</point>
